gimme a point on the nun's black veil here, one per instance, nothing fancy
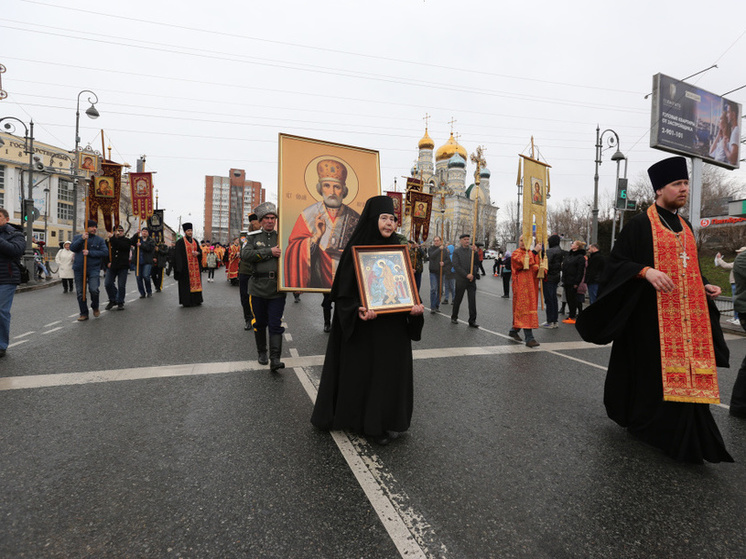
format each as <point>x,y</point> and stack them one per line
<point>366,233</point>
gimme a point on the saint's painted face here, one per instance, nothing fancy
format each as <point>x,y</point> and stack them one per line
<point>674,195</point>
<point>333,192</point>
<point>386,224</point>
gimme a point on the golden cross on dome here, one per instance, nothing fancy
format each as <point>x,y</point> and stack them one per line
<point>452,122</point>
<point>426,118</point>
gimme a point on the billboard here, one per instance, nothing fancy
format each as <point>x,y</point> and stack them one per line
<point>696,123</point>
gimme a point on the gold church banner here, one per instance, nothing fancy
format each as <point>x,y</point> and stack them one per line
<point>535,180</point>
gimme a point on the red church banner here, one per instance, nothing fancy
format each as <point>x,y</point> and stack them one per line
<point>141,185</point>
<point>104,192</point>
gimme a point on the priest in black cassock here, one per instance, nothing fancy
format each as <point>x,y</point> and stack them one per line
<point>657,308</point>
<point>366,383</point>
<point>187,256</point>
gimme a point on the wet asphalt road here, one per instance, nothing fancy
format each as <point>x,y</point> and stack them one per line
<point>153,432</point>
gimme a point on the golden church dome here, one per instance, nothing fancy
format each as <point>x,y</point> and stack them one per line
<point>449,149</point>
<point>426,142</point>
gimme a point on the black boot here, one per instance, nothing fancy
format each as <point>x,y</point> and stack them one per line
<point>275,350</point>
<point>327,320</point>
<point>261,346</point>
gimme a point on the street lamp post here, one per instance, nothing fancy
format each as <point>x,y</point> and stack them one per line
<point>46,216</point>
<point>27,203</point>
<point>618,156</point>
<point>92,113</point>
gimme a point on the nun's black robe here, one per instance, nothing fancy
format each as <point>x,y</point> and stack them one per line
<point>367,379</point>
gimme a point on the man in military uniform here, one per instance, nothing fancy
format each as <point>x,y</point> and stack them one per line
<point>244,274</point>
<point>267,303</point>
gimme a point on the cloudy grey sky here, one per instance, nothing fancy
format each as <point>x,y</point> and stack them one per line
<point>200,87</point>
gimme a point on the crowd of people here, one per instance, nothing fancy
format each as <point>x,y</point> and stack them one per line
<point>648,297</point>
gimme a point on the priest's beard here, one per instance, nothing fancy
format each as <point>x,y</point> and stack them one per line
<point>332,201</point>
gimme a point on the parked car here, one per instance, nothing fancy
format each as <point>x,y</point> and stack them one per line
<point>490,254</point>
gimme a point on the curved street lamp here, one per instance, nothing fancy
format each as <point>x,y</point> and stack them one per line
<point>93,114</point>
<point>612,141</point>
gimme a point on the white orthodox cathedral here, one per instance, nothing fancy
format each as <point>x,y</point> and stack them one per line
<point>448,183</point>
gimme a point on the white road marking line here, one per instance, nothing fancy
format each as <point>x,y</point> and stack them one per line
<point>584,362</point>
<point>52,330</point>
<point>52,323</point>
<point>24,334</point>
<point>294,352</point>
<point>17,343</point>
<point>392,509</point>
<point>139,373</point>
<point>73,315</point>
<point>288,337</point>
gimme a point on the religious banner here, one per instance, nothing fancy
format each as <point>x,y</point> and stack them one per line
<point>414,184</point>
<point>141,186</point>
<point>535,181</point>
<point>322,188</point>
<point>155,224</point>
<point>397,198</point>
<point>421,206</point>
<point>104,192</point>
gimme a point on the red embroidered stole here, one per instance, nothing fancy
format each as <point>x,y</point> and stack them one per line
<point>687,355</point>
<point>195,280</point>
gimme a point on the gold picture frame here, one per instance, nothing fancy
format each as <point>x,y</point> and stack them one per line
<point>103,187</point>
<point>312,232</point>
<point>88,162</point>
<point>385,278</point>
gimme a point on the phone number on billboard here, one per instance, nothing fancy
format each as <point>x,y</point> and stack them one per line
<point>671,132</point>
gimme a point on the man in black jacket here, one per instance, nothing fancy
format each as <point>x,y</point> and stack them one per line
<point>439,261</point>
<point>160,262</point>
<point>573,270</point>
<point>144,258</point>
<point>12,246</point>
<point>466,276</point>
<point>555,255</point>
<point>118,268</point>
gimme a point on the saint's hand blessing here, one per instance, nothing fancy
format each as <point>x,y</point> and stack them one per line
<point>319,228</point>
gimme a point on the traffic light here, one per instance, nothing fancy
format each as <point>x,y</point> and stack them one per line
<point>621,194</point>
<point>28,211</point>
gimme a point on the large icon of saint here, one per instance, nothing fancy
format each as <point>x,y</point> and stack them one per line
<point>322,230</point>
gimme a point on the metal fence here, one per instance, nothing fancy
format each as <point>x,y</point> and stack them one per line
<point>725,306</point>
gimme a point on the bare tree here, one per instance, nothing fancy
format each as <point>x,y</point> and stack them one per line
<point>506,224</point>
<point>718,188</point>
<point>570,218</point>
